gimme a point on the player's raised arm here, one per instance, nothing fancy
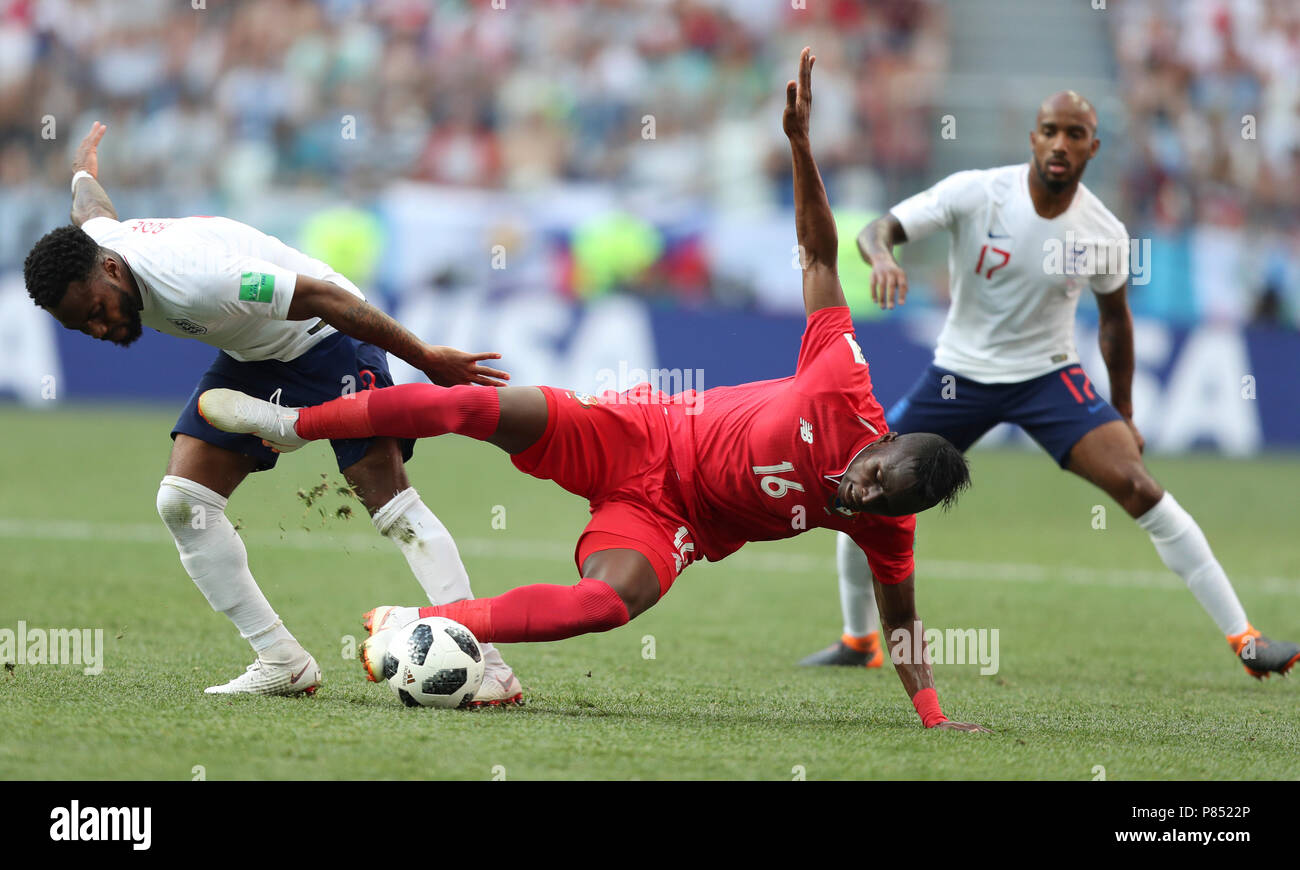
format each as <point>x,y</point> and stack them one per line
<point>89,199</point>
<point>814,223</point>
<point>351,315</point>
<point>900,625</point>
<point>876,245</point>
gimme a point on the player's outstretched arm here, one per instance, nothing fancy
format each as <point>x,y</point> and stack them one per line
<point>445,366</point>
<point>814,223</point>
<point>1115,336</point>
<point>876,245</point>
<point>89,199</point>
<point>901,626</point>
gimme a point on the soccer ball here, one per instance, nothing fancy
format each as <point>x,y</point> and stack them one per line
<point>433,662</point>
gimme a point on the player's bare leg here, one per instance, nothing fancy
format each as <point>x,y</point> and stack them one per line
<point>1109,457</point>
<point>379,480</point>
<point>627,572</point>
<point>192,503</point>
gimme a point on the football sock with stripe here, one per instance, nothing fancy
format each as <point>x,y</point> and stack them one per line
<point>214,556</point>
<point>1185,551</point>
<point>405,411</point>
<point>540,612</point>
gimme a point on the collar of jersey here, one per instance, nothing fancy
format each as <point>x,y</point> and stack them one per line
<point>833,480</point>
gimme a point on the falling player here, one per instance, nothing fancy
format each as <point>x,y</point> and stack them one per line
<point>1025,240</point>
<point>287,326</point>
<point>670,478</point>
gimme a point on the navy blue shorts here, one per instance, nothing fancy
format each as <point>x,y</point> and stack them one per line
<point>336,365</point>
<point>1056,409</point>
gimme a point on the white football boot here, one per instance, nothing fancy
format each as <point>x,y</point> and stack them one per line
<point>233,411</point>
<point>500,685</point>
<point>284,668</point>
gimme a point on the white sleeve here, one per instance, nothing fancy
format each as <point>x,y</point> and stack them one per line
<point>941,206</point>
<point>242,286</point>
<point>101,228</point>
<point>1111,259</point>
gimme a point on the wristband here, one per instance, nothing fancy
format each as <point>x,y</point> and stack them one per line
<point>926,703</point>
<point>77,177</point>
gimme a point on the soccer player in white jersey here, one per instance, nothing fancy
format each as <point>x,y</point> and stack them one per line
<point>288,328</point>
<point>1025,242</point>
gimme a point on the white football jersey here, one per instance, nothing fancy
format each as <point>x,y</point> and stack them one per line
<point>219,281</point>
<point>1015,277</point>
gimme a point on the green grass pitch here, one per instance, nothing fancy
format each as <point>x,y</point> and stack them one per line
<point>1105,659</point>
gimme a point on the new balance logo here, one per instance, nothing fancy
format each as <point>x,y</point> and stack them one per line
<point>805,430</point>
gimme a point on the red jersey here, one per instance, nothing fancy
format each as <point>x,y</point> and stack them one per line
<point>762,461</point>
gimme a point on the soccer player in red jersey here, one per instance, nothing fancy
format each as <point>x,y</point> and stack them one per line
<point>673,478</point>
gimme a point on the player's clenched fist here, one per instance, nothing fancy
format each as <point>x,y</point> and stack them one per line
<point>798,98</point>
<point>87,159</point>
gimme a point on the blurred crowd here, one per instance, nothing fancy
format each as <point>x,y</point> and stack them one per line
<point>1212,89</point>
<point>511,94</point>
<point>660,101</point>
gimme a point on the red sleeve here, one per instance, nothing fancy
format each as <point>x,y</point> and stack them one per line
<point>887,541</point>
<point>829,357</point>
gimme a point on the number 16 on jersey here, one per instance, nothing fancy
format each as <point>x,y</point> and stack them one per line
<point>773,485</point>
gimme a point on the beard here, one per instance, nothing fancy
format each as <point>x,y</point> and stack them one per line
<point>1056,185</point>
<point>134,327</point>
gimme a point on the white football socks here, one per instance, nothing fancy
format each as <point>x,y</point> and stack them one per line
<point>857,591</point>
<point>1184,549</point>
<point>214,556</point>
<point>429,550</point>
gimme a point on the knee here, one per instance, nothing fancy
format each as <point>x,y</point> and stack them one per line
<point>184,505</point>
<point>604,606</point>
<point>638,595</point>
<point>1135,489</point>
<point>174,507</point>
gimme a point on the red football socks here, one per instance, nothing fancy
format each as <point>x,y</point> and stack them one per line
<point>539,612</point>
<point>405,411</point>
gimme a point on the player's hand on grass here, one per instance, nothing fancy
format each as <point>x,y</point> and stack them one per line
<point>888,283</point>
<point>449,367</point>
<point>87,159</point>
<point>798,99</point>
<point>962,726</point>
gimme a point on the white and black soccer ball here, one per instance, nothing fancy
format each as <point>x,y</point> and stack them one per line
<point>433,662</point>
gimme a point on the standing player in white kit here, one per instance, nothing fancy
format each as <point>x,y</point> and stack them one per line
<point>1025,241</point>
<point>290,329</point>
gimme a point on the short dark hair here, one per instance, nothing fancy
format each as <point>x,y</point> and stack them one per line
<point>940,470</point>
<point>62,256</point>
